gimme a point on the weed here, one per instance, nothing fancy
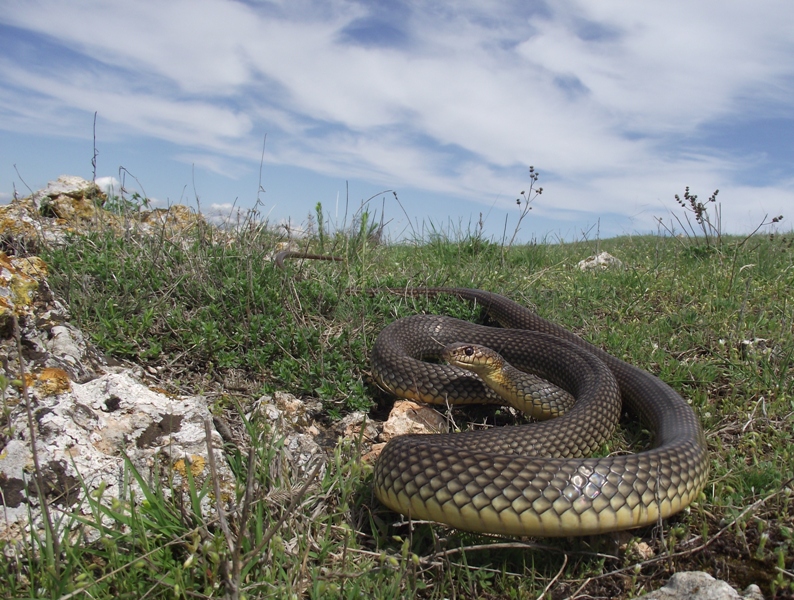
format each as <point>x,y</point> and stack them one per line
<point>712,230</point>
<point>524,202</point>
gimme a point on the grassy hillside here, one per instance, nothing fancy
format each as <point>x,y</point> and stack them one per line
<point>214,316</point>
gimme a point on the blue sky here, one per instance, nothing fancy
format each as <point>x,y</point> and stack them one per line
<point>619,105</point>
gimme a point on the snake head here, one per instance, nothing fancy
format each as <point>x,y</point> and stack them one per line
<point>473,357</point>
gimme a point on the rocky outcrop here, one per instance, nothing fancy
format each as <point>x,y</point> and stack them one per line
<point>71,205</point>
<point>90,423</point>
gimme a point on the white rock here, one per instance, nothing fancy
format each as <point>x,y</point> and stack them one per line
<point>65,185</point>
<point>358,425</point>
<point>82,435</point>
<point>87,416</point>
<point>696,585</point>
<point>601,262</point>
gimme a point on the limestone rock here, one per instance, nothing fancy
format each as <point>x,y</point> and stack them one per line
<point>86,416</point>
<point>407,417</point>
<point>696,585</point>
<point>361,430</point>
<point>83,431</point>
<point>359,425</point>
<point>600,262</point>
<point>50,341</point>
<point>48,216</point>
<point>72,205</point>
<point>174,220</point>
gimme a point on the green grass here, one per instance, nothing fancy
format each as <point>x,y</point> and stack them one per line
<point>207,311</point>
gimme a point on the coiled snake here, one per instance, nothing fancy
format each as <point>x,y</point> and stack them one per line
<point>531,479</point>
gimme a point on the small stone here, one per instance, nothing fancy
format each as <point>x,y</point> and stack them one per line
<point>752,592</point>
<point>289,416</point>
<point>600,262</point>
<point>351,427</point>
<point>641,551</point>
<point>371,456</point>
<point>408,417</point>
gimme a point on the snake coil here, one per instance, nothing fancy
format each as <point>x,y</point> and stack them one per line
<point>531,479</point>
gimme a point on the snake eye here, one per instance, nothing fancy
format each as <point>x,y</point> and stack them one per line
<point>468,351</point>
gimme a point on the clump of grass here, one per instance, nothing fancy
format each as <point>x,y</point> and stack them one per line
<point>705,235</point>
<point>699,210</point>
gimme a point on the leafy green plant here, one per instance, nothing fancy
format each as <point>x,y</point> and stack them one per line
<point>123,205</point>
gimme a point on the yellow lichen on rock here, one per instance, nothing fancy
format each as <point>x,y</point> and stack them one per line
<point>12,227</point>
<point>196,464</point>
<point>19,284</point>
<point>50,381</point>
<point>78,210</point>
<point>32,266</point>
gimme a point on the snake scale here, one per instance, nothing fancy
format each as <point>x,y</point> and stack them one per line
<point>531,480</point>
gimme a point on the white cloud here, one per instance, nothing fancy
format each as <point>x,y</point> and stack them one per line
<point>179,121</point>
<point>110,185</point>
<point>231,168</point>
<point>224,213</point>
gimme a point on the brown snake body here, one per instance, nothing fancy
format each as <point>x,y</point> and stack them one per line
<point>531,479</point>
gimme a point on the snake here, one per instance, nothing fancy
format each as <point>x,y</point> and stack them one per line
<point>534,479</point>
